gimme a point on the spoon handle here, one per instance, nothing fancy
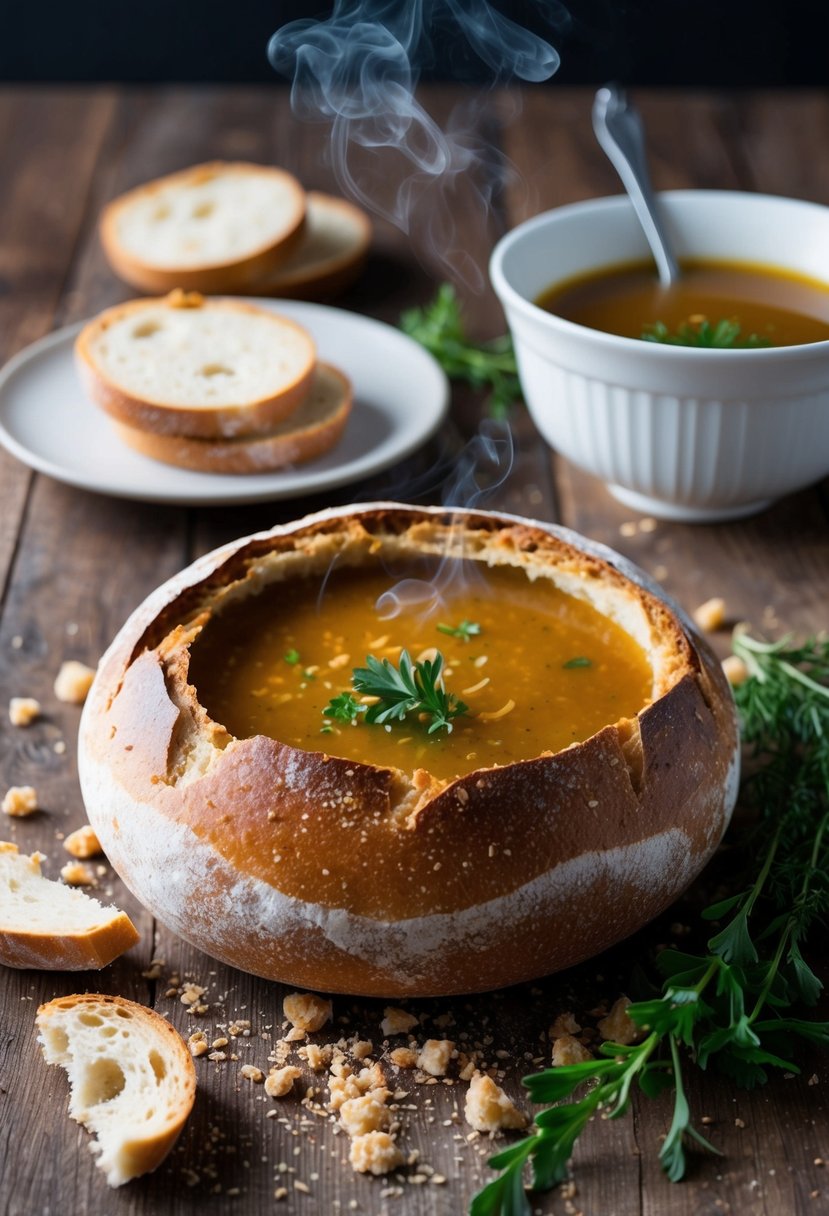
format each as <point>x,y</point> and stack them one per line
<point>619,130</point>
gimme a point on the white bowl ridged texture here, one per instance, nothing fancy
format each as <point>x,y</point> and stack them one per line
<point>687,434</point>
<point>202,358</point>
<point>207,220</point>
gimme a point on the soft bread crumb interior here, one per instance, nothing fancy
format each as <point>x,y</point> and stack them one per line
<point>126,1082</point>
<point>29,902</point>
<point>207,219</point>
<point>203,358</point>
<point>330,233</point>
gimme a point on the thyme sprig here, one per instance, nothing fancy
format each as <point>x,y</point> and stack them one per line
<point>408,688</point>
<point>735,1007</point>
<point>485,365</point>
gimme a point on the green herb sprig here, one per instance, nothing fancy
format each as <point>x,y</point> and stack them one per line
<point>486,365</point>
<point>734,1008</point>
<point>464,631</point>
<point>725,334</point>
<point>402,690</point>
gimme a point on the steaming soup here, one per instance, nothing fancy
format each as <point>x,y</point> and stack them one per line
<point>537,668</point>
<point>778,307</point>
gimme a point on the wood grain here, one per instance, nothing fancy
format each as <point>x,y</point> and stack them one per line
<point>73,565</point>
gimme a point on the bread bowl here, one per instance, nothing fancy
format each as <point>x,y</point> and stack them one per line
<point>300,864</point>
<point>215,227</point>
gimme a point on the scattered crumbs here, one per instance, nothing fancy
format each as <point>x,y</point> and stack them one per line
<point>76,874</point>
<point>739,1123</point>
<point>306,1011</point>
<point>23,711</point>
<point>251,1073</point>
<point>628,528</point>
<point>20,801</point>
<point>83,843</point>
<point>710,616</point>
<point>618,1026</point>
<point>59,747</point>
<point>648,524</point>
<point>397,1021</point>
<point>73,682</point>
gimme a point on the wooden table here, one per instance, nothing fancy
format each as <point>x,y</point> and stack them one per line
<point>73,565</point>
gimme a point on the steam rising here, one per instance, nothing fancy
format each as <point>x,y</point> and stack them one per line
<point>358,70</point>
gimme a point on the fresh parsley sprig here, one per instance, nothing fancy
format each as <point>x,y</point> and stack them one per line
<point>725,334</point>
<point>735,1007</point>
<point>486,365</point>
<point>465,630</point>
<point>402,690</point>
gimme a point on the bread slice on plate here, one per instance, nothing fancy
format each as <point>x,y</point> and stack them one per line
<point>214,227</point>
<point>329,256</point>
<point>46,925</point>
<point>131,1075</point>
<point>311,430</point>
<point>185,365</point>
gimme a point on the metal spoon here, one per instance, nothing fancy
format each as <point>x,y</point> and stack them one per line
<point>619,130</point>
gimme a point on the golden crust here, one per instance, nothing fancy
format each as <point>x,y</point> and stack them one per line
<point>157,417</point>
<point>215,278</point>
<point>542,862</point>
<point>264,452</point>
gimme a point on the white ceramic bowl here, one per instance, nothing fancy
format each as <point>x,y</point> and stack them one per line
<point>691,434</point>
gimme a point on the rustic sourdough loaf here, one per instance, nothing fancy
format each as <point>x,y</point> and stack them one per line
<point>132,1078</point>
<point>185,365</point>
<point>354,877</point>
<point>312,429</point>
<point>213,228</point>
<point>47,925</point>
<point>328,257</point>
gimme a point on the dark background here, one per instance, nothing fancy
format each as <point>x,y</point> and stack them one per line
<point>647,42</point>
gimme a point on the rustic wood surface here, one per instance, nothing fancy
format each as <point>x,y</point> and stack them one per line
<point>73,565</point>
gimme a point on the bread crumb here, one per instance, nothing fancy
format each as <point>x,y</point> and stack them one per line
<point>84,843</point>
<point>364,1114</point>
<point>191,994</point>
<point>565,1023</point>
<point>316,1057</point>
<point>403,1057</point>
<point>568,1050</point>
<point>280,1081</point>
<point>736,672</point>
<point>710,616</point>
<point>251,1073</point>
<point>23,711</point>
<point>488,1109</point>
<point>618,1027</point>
<point>362,1048</point>
<point>198,1044</point>
<point>397,1021</point>
<point>375,1153</point>
<point>76,874</point>
<point>306,1011</point>
<point>73,682</point>
<point>435,1055</point>
<point>340,1090</point>
<point>20,801</point>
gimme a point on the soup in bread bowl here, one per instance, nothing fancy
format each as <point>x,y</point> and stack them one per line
<point>407,751</point>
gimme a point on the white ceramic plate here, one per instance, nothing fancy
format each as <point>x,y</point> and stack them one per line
<point>400,399</point>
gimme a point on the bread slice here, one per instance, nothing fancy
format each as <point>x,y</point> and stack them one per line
<point>185,365</point>
<point>329,256</point>
<point>311,430</point>
<point>213,228</point>
<point>132,1078</point>
<point>46,925</point>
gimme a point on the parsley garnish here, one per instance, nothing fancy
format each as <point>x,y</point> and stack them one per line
<point>291,656</point>
<point>735,1007</point>
<point>724,335</point>
<point>465,630</point>
<point>579,661</point>
<point>490,365</point>
<point>344,708</point>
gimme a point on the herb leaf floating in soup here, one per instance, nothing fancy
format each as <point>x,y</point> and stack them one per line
<point>724,335</point>
<point>409,688</point>
<point>465,630</point>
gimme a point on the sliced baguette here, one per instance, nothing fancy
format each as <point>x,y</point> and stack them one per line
<point>311,430</point>
<point>132,1078</point>
<point>329,256</point>
<point>214,227</point>
<point>46,925</point>
<point>185,365</point>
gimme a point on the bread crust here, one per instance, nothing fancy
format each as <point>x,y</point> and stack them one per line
<point>213,278</point>
<point>320,279</point>
<point>542,863</point>
<point>163,419</point>
<point>143,1151</point>
<point>59,949</point>
<point>258,453</point>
